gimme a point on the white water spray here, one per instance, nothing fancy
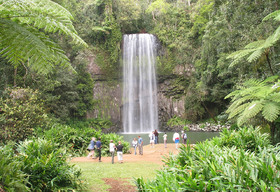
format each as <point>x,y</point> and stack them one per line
<point>140,112</point>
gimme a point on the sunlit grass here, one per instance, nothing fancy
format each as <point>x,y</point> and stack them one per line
<point>93,173</point>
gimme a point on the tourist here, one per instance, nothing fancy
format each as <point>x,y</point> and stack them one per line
<point>156,137</point>
<point>134,144</point>
<point>176,139</point>
<point>112,150</point>
<point>91,148</point>
<point>98,147</point>
<point>120,152</point>
<point>152,139</point>
<point>165,140</point>
<point>140,145</point>
<point>184,137</point>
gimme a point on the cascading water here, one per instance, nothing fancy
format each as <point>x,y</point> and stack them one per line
<point>140,112</point>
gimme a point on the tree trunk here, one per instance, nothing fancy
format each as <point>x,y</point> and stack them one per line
<point>211,115</point>
<point>15,77</point>
<point>269,64</point>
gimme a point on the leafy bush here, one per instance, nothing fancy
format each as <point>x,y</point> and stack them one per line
<point>12,178</point>
<point>20,112</point>
<point>76,140</point>
<point>247,138</point>
<point>46,165</point>
<point>211,167</point>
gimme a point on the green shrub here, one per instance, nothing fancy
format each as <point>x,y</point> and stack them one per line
<point>46,165</point>
<point>11,176</point>
<point>21,111</point>
<point>76,140</point>
<point>247,138</point>
<point>211,167</point>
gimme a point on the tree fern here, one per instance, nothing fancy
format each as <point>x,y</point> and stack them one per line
<point>25,25</point>
<point>271,111</point>
<point>249,101</point>
<point>255,50</point>
<point>237,110</point>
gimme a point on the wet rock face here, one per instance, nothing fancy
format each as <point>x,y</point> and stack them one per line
<point>108,95</point>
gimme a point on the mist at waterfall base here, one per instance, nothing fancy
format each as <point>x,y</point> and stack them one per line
<point>139,109</point>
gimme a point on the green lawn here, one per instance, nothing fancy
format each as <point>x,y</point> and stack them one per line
<point>94,172</point>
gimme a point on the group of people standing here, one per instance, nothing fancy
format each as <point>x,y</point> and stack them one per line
<point>112,148</point>
<point>153,138</point>
<point>176,138</point>
<point>97,145</point>
<point>138,143</point>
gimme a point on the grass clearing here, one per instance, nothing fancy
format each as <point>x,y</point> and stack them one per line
<point>93,173</point>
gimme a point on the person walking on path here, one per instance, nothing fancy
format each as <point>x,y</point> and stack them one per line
<point>156,137</point>
<point>152,139</point>
<point>176,139</point>
<point>91,148</point>
<point>184,137</point>
<point>140,145</point>
<point>134,144</point>
<point>112,150</point>
<point>99,146</point>
<point>120,152</point>
<point>165,140</point>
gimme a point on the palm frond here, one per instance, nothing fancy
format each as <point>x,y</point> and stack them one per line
<point>271,111</point>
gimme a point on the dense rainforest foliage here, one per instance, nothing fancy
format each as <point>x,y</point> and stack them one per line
<point>223,56</point>
<point>216,44</point>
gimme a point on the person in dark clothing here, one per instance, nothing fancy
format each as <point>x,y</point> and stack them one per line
<point>120,152</point>
<point>156,137</point>
<point>98,147</point>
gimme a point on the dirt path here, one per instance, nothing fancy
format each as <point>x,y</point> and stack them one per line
<point>152,154</point>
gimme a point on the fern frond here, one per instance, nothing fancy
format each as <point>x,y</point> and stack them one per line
<point>255,55</point>
<point>232,94</point>
<point>22,44</point>
<point>252,110</point>
<point>275,14</point>
<point>235,111</point>
<point>271,111</point>
<point>245,98</point>
<point>271,79</point>
<point>254,44</point>
<point>276,35</point>
<point>275,97</point>
<point>253,83</point>
<point>239,55</point>
<point>42,14</point>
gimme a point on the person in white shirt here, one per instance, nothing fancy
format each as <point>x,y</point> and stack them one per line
<point>165,140</point>
<point>176,139</point>
<point>152,139</point>
<point>134,144</point>
<point>112,150</point>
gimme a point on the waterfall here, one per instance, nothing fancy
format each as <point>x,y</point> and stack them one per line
<point>139,113</point>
